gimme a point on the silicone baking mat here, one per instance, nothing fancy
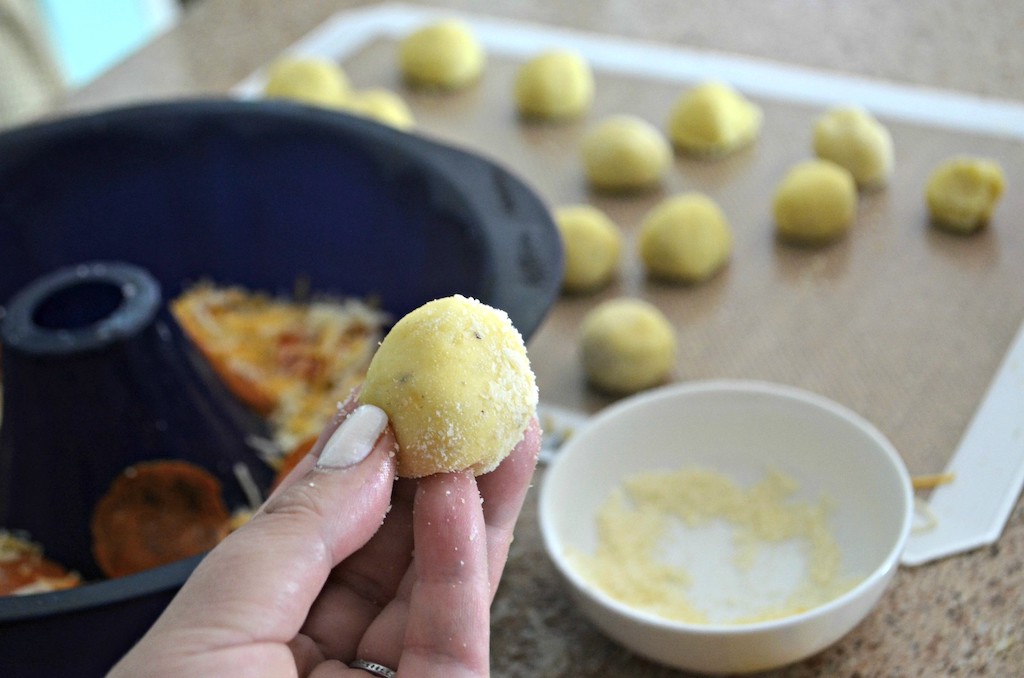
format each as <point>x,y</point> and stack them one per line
<point>899,321</point>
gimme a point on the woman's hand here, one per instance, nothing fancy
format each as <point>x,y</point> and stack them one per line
<point>344,562</point>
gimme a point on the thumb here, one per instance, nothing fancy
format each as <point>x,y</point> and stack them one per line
<point>261,581</point>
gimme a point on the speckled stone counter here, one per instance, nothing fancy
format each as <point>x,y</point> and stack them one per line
<point>960,616</point>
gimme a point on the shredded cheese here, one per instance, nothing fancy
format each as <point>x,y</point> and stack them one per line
<point>653,514</point>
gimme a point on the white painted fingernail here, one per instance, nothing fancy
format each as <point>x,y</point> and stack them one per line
<point>354,439</point>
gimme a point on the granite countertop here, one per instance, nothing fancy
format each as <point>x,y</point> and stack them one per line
<point>959,616</point>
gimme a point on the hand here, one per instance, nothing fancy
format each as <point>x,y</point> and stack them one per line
<point>324,572</point>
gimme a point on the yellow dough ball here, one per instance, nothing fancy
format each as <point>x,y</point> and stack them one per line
<point>713,119</point>
<point>625,153</point>
<point>592,245</point>
<point>815,203</point>
<point>443,55</point>
<point>854,139</point>
<point>686,239</point>
<point>455,381</point>
<point>627,345</point>
<point>962,193</point>
<point>306,79</point>
<point>557,84</point>
<point>381,105</point>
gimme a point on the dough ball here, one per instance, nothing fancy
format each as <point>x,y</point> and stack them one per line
<point>625,153</point>
<point>815,203</point>
<point>592,245</point>
<point>553,85</point>
<point>455,381</point>
<point>963,191</point>
<point>686,239</point>
<point>713,119</point>
<point>444,55</point>
<point>854,139</point>
<point>627,345</point>
<point>319,82</point>
<point>381,105</point>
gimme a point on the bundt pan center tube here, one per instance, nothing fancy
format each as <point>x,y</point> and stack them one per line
<point>97,377</point>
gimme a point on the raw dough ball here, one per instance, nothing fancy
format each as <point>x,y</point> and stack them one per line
<point>815,203</point>
<point>963,191</point>
<point>592,245</point>
<point>455,381</point>
<point>444,55</point>
<point>553,85</point>
<point>713,119</point>
<point>627,345</point>
<point>686,238</point>
<point>310,80</point>
<point>625,153</point>
<point>381,105</point>
<point>854,139</point>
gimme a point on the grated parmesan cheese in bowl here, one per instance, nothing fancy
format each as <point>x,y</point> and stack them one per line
<point>726,526</point>
<point>693,546</point>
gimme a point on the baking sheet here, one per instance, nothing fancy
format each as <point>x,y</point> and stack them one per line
<point>899,321</point>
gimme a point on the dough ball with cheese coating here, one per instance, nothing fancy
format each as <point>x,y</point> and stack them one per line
<point>310,80</point>
<point>962,193</point>
<point>625,153</point>
<point>455,381</point>
<point>444,55</point>
<point>854,139</point>
<point>627,345</point>
<point>685,239</point>
<point>554,85</point>
<point>381,105</point>
<point>592,245</point>
<point>713,119</point>
<point>815,203</point>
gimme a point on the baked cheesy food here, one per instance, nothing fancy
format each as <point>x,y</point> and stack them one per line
<point>292,362</point>
<point>24,570</point>
<point>156,513</point>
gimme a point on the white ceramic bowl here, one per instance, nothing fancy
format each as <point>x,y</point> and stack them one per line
<point>741,429</point>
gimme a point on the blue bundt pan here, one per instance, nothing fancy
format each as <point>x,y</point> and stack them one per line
<point>105,217</point>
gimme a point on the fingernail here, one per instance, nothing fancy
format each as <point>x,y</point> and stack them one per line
<point>354,439</point>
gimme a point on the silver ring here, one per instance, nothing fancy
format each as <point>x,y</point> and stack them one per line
<point>373,667</point>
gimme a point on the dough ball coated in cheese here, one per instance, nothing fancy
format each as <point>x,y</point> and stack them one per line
<point>455,381</point>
